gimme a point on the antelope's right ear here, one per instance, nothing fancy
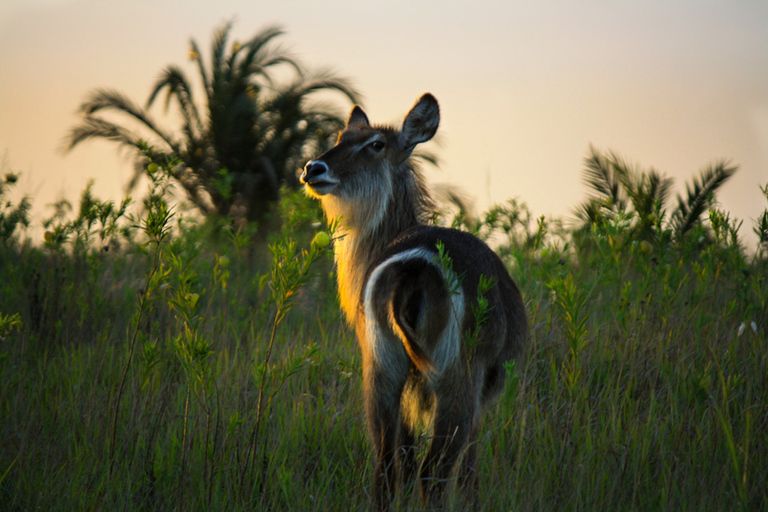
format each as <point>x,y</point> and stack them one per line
<point>358,119</point>
<point>421,122</point>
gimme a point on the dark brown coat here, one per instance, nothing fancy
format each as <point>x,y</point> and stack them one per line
<point>425,365</point>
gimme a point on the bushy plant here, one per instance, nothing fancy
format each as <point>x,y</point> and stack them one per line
<point>195,365</point>
<point>12,216</point>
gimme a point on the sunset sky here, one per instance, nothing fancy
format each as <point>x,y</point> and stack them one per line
<point>524,87</point>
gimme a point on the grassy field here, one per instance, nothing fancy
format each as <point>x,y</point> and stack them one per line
<point>158,363</point>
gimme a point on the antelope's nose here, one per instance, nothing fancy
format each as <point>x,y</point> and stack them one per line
<point>313,170</point>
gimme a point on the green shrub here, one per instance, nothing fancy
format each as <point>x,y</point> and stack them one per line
<point>195,365</point>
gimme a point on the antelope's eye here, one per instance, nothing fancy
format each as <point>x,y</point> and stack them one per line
<point>376,145</point>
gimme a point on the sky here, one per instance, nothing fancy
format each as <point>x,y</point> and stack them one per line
<point>524,87</point>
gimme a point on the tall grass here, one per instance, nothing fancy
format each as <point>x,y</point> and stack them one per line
<point>192,366</point>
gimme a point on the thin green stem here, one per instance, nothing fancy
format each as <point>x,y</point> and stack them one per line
<point>142,308</point>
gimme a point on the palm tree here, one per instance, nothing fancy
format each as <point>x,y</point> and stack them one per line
<point>621,188</point>
<point>253,135</point>
<point>700,196</point>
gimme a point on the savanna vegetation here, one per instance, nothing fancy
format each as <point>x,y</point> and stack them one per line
<point>153,358</point>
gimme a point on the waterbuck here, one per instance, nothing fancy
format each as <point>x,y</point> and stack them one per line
<point>430,360</point>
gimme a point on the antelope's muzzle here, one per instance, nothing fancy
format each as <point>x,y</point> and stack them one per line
<point>317,176</point>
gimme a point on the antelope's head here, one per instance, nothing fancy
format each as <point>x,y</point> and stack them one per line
<point>360,169</point>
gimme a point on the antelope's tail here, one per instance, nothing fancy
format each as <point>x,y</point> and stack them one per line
<point>419,310</point>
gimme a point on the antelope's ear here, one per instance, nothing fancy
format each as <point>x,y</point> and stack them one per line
<point>421,123</point>
<point>357,119</point>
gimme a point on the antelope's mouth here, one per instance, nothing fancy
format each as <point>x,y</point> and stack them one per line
<point>320,185</point>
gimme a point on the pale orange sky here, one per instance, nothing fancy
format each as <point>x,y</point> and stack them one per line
<point>524,87</point>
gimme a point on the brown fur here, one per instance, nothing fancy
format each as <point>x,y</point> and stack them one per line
<point>412,314</point>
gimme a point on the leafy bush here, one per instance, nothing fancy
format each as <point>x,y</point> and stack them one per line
<point>12,216</point>
<point>197,366</point>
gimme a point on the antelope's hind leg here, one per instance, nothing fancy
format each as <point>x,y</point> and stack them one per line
<point>382,392</point>
<point>468,478</point>
<point>452,433</point>
<point>406,459</point>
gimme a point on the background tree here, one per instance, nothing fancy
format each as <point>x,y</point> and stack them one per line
<point>620,188</point>
<point>255,131</point>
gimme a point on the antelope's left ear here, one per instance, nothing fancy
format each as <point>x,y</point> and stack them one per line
<point>421,123</point>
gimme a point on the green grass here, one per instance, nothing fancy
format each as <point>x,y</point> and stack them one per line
<point>640,389</point>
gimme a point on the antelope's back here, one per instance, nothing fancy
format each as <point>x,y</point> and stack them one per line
<point>504,333</point>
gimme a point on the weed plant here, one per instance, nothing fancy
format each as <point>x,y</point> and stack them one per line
<point>153,362</point>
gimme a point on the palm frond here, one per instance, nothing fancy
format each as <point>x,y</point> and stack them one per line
<point>700,195</point>
<point>430,157</point>
<point>218,51</point>
<point>659,186</point>
<point>106,99</point>
<point>321,110</point>
<point>259,74</point>
<point>201,67</point>
<point>600,174</point>
<point>174,80</point>
<point>632,178</point>
<point>624,172</point>
<point>96,128</point>
<point>326,80</point>
<point>262,54</point>
<point>237,50</point>
<point>590,212</point>
<point>647,190</point>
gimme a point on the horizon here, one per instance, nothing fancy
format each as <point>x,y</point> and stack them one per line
<point>524,90</point>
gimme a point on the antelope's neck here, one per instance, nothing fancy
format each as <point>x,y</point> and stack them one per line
<point>368,225</point>
<point>354,255</point>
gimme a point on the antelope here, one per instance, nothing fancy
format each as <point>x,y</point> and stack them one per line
<point>407,288</point>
